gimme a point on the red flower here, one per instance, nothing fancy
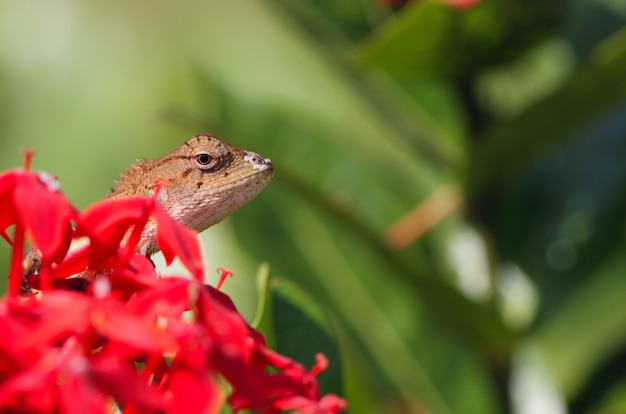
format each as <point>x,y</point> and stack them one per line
<point>32,203</point>
<point>118,336</point>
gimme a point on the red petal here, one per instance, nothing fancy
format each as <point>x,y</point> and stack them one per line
<point>143,266</point>
<point>62,313</point>
<point>39,380</point>
<point>113,217</point>
<point>140,274</point>
<point>126,328</point>
<point>75,261</point>
<point>174,239</point>
<point>7,204</point>
<point>14,356</point>
<point>231,353</point>
<point>331,403</point>
<point>125,385</point>
<point>107,222</point>
<point>226,326</point>
<point>192,393</point>
<point>45,214</point>
<point>172,292</point>
<point>77,396</point>
<point>293,403</point>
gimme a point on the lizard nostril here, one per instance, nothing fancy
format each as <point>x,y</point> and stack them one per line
<point>258,162</point>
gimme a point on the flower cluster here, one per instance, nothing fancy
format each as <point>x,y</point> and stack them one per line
<point>105,332</point>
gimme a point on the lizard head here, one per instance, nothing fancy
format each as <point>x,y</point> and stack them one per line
<point>203,181</point>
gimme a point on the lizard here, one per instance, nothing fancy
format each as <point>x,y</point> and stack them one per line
<point>205,180</point>
<point>201,183</point>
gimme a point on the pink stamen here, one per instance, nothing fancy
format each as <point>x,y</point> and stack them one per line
<point>321,363</point>
<point>224,274</point>
<point>28,156</point>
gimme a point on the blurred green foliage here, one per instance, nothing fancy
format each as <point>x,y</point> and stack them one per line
<point>512,303</point>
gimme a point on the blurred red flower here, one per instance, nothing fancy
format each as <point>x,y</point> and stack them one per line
<point>105,331</point>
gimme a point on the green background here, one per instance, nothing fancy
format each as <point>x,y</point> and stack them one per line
<point>511,303</point>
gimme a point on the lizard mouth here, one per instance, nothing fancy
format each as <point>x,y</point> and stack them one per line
<point>264,174</point>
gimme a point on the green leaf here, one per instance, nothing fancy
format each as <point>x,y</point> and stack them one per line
<point>593,90</point>
<point>588,328</point>
<point>296,326</point>
<point>263,320</point>
<point>416,39</point>
<point>433,38</point>
<point>371,304</point>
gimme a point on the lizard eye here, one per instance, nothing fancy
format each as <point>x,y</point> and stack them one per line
<point>204,158</point>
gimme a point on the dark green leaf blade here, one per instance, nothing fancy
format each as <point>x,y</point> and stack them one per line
<point>592,91</point>
<point>296,326</point>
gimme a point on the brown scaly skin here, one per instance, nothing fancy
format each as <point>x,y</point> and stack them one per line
<point>201,183</point>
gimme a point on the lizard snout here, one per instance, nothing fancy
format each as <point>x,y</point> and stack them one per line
<point>257,161</point>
